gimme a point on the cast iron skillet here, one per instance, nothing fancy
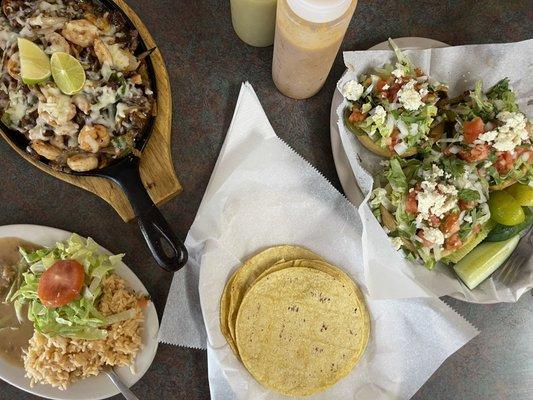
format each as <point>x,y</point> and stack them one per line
<point>167,249</point>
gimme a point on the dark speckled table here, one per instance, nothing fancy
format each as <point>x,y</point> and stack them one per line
<point>207,63</point>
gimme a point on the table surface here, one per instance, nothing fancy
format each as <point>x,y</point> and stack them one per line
<point>207,63</point>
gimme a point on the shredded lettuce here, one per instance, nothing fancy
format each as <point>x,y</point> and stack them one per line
<point>80,318</point>
<point>402,58</point>
<point>482,106</point>
<point>469,195</point>
<point>502,96</point>
<point>384,114</point>
<point>401,175</point>
<point>454,166</point>
<point>499,97</point>
<point>396,176</point>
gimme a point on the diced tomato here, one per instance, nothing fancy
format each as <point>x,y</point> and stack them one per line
<point>474,154</point>
<point>419,72</point>
<point>61,283</point>
<point>450,224</point>
<point>453,242</point>
<point>393,91</point>
<point>434,221</point>
<point>356,116</point>
<point>425,243</point>
<point>472,129</point>
<point>522,151</point>
<point>411,203</point>
<point>476,228</point>
<point>466,205</point>
<point>505,161</point>
<point>380,84</point>
<point>394,139</point>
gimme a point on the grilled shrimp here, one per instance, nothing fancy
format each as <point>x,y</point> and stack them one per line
<point>82,102</point>
<point>115,56</point>
<point>80,32</point>
<point>101,23</point>
<point>47,23</point>
<point>67,129</point>
<point>55,116</point>
<point>82,163</point>
<point>102,52</point>
<point>46,150</point>
<point>58,141</point>
<point>133,63</point>
<point>13,66</point>
<point>58,108</point>
<point>57,43</point>
<point>93,137</point>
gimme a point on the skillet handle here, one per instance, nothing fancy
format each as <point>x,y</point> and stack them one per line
<point>169,252</point>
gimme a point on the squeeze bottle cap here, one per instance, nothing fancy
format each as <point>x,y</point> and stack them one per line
<point>319,11</point>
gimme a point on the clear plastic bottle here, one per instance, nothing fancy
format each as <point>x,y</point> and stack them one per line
<point>254,21</point>
<point>308,36</point>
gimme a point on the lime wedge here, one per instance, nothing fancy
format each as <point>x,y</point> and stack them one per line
<point>34,63</point>
<point>477,265</point>
<point>523,194</point>
<point>504,209</point>
<point>68,73</point>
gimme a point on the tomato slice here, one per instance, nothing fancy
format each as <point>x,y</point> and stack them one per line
<point>472,129</point>
<point>61,283</point>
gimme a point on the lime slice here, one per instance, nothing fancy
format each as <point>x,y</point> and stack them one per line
<point>504,232</point>
<point>68,73</point>
<point>523,194</point>
<point>477,265</point>
<point>504,209</point>
<point>34,63</point>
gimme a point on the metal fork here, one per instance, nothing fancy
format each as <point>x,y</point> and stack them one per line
<point>126,392</point>
<point>509,272</point>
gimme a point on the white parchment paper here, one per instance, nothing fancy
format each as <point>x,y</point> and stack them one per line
<point>262,194</point>
<point>460,67</point>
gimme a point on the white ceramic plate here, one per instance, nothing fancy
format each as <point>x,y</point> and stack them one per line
<point>344,171</point>
<point>97,387</point>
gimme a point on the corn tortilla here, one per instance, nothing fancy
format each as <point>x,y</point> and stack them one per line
<point>299,330</point>
<point>315,264</point>
<point>224,309</point>
<point>244,277</point>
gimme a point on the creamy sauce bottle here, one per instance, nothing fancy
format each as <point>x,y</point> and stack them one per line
<point>254,21</point>
<point>308,36</point>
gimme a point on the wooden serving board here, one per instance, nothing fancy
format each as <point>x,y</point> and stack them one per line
<point>157,170</point>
